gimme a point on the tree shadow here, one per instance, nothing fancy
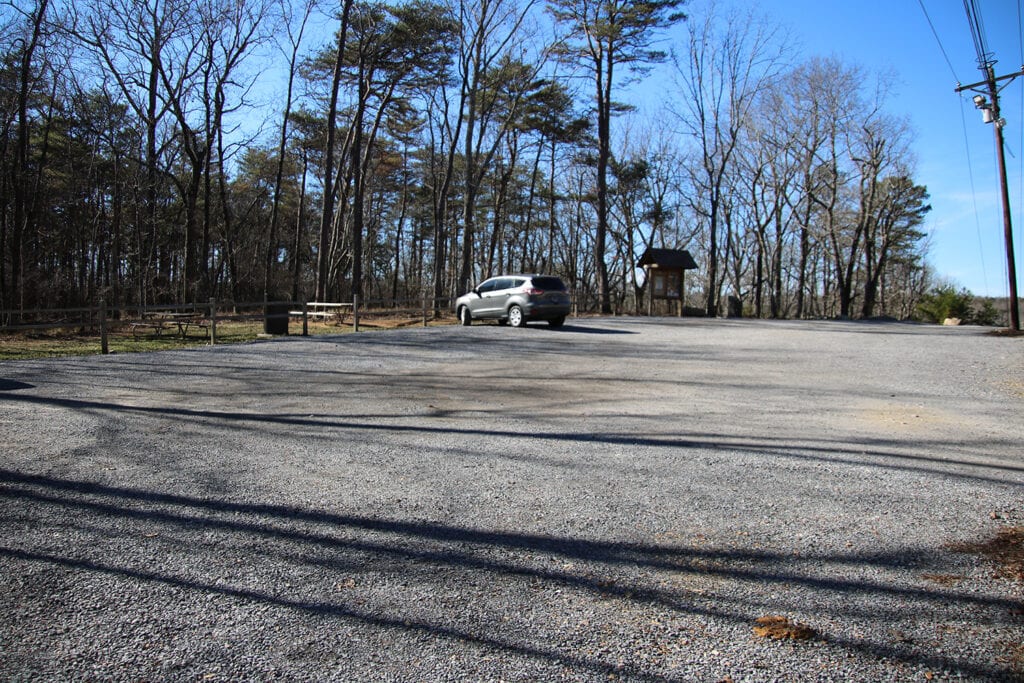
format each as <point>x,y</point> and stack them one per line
<point>590,329</point>
<point>174,405</point>
<point>879,453</point>
<point>298,540</point>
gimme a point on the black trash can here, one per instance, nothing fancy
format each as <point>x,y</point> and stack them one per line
<point>275,318</point>
<point>735,307</point>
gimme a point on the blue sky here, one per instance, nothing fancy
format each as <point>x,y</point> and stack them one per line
<point>955,150</point>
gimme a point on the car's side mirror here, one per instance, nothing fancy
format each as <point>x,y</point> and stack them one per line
<point>477,292</point>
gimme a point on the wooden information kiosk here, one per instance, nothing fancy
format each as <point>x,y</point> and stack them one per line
<point>665,269</point>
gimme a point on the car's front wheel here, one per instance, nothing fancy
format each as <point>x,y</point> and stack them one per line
<point>465,317</point>
<point>516,317</point>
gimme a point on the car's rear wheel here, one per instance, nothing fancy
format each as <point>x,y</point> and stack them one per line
<point>557,322</point>
<point>516,317</point>
<point>465,317</point>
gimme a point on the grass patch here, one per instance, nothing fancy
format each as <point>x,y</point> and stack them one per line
<point>65,342</point>
<point>120,339</point>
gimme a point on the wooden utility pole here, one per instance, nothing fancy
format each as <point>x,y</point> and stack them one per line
<point>990,114</point>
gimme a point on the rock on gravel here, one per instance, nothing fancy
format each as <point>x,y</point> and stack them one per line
<point>619,499</point>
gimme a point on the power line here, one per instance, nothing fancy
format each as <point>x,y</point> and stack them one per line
<point>977,33</point>
<point>937,40</point>
<point>1020,32</point>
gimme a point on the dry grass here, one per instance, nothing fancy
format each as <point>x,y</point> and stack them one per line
<point>78,342</point>
<point>386,321</point>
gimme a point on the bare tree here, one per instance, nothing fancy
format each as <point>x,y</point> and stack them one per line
<point>644,200</point>
<point>495,83</point>
<point>131,40</point>
<point>224,35</point>
<point>397,52</point>
<point>803,129</point>
<point>295,15</point>
<point>769,180</point>
<point>325,247</point>
<point>31,37</point>
<point>724,70</point>
<point>603,36</point>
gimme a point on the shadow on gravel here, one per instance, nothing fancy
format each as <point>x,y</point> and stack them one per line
<point>878,453</point>
<point>294,539</point>
<point>577,329</point>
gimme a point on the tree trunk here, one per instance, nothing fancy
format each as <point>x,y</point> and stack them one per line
<point>21,222</point>
<point>604,87</point>
<point>327,215</point>
<point>300,221</point>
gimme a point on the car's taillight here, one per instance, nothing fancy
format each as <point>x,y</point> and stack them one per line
<point>534,291</point>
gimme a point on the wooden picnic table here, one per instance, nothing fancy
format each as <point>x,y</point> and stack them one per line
<point>324,311</point>
<point>158,321</point>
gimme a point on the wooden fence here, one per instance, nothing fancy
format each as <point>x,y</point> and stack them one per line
<point>179,319</point>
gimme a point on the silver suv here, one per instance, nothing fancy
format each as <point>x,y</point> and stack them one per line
<point>515,300</point>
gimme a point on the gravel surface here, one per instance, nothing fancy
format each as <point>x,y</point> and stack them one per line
<point>619,499</point>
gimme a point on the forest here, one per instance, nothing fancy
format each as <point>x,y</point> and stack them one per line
<point>173,151</point>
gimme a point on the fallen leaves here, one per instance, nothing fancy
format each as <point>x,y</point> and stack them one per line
<point>943,579</point>
<point>781,628</point>
<point>1006,550</point>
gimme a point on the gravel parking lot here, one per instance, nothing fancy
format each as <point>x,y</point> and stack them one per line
<point>618,499</point>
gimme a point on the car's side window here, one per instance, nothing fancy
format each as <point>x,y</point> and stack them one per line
<point>503,283</point>
<point>517,282</point>
<point>487,286</point>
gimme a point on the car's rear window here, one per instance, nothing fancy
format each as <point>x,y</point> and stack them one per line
<point>549,283</point>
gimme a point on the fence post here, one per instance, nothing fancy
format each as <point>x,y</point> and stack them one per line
<point>305,318</point>
<point>355,312</point>
<point>104,347</point>
<point>424,309</point>
<point>213,321</point>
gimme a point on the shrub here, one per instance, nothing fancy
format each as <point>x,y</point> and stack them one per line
<point>988,314</point>
<point>946,302</point>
